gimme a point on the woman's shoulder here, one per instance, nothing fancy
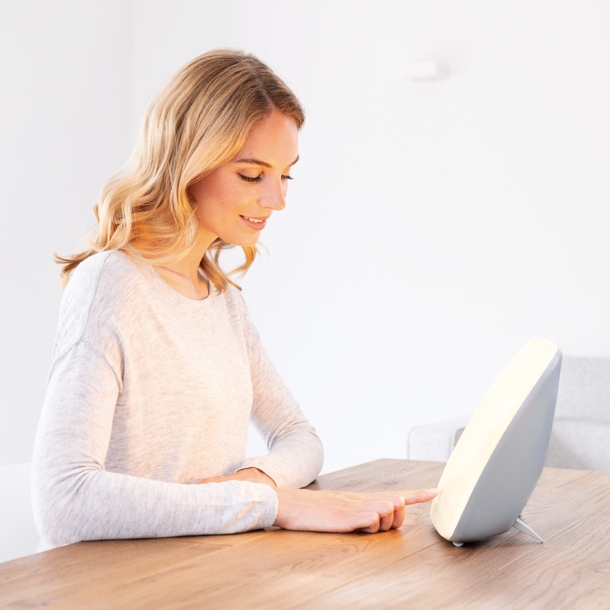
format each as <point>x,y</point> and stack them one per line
<point>95,298</point>
<point>102,272</point>
<point>100,281</point>
<point>102,263</point>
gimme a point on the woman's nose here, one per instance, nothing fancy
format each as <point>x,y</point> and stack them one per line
<point>274,199</point>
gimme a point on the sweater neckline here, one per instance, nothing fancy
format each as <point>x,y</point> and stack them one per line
<point>162,287</point>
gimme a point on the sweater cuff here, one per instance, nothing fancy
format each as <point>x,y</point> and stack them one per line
<point>268,495</point>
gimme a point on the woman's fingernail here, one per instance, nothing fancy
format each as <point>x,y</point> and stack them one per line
<point>434,490</point>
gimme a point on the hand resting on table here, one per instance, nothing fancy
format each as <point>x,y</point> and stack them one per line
<point>341,511</point>
<point>334,511</point>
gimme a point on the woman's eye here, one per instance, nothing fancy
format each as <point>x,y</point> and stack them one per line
<point>248,179</point>
<point>286,177</point>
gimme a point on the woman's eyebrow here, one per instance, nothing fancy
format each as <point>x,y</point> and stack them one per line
<point>262,163</point>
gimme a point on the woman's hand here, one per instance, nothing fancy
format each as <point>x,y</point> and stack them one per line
<point>337,511</point>
<point>254,475</point>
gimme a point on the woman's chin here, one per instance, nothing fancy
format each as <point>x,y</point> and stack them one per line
<point>243,241</point>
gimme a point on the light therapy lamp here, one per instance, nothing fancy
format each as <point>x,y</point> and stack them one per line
<point>499,458</point>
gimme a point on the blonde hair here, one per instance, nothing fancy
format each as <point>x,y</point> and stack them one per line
<point>197,123</point>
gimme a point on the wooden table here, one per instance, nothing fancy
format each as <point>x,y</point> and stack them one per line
<point>408,568</point>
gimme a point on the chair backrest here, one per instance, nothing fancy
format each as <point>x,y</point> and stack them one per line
<point>581,431</point>
<point>18,535</point>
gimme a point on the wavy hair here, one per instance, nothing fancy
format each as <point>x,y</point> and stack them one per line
<point>198,122</point>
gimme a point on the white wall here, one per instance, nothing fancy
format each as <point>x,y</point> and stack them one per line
<point>65,127</point>
<point>431,229</point>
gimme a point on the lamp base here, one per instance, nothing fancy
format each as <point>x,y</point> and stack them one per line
<point>522,526</point>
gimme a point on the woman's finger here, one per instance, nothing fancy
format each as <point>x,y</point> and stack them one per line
<point>389,515</point>
<point>398,502</point>
<point>368,522</point>
<point>399,512</point>
<point>393,517</point>
<point>420,495</point>
<point>387,520</point>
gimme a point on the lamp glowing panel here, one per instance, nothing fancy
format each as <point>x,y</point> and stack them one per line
<point>499,458</point>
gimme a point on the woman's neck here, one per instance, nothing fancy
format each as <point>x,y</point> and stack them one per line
<point>185,276</point>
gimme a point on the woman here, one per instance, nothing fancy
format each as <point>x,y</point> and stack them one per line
<point>157,369</point>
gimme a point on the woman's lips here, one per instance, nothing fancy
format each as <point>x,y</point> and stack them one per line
<point>254,223</point>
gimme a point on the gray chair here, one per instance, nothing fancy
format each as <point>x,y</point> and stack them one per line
<point>581,430</point>
<point>18,535</point>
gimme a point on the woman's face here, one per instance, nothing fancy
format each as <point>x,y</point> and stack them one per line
<point>235,200</point>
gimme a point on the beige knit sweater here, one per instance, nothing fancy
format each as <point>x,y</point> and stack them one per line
<point>149,392</point>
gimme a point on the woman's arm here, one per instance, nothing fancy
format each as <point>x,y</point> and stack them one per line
<point>335,511</point>
<point>295,455</point>
<point>75,498</point>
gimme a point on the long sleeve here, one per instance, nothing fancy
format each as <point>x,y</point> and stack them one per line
<point>296,454</point>
<point>75,498</point>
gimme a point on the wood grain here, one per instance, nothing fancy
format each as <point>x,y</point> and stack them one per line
<point>412,567</point>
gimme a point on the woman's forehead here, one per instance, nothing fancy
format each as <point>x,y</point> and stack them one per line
<point>272,141</point>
